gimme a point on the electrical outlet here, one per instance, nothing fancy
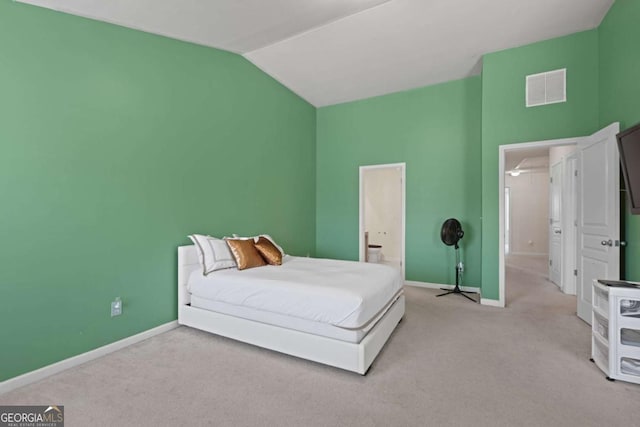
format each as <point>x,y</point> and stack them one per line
<point>116,307</point>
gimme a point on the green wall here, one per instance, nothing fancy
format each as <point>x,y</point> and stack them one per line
<point>619,36</point>
<point>114,145</point>
<point>506,120</point>
<point>436,131</point>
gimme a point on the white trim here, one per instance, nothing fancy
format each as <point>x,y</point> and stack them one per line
<point>491,302</point>
<point>403,172</point>
<point>63,365</point>
<point>428,285</point>
<point>501,162</point>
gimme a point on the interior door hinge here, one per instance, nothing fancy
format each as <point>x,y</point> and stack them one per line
<point>550,262</point>
<point>575,273</point>
<point>575,172</point>
<point>551,180</point>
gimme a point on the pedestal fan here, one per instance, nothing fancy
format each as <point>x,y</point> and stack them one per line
<point>451,233</point>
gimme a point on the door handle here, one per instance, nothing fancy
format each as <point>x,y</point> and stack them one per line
<point>621,243</point>
<point>607,242</point>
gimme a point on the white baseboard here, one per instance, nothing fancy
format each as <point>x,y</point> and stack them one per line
<point>46,371</point>
<point>439,286</point>
<point>491,302</point>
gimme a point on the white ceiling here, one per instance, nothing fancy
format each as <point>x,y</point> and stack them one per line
<point>238,26</point>
<point>528,158</point>
<point>333,51</point>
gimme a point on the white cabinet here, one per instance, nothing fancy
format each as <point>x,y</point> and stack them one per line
<point>615,341</point>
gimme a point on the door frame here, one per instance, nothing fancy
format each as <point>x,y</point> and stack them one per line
<point>502,151</point>
<point>403,186</point>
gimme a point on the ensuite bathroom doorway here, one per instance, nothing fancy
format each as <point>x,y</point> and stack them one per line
<point>382,214</point>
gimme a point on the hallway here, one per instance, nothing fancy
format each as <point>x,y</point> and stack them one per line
<point>528,287</point>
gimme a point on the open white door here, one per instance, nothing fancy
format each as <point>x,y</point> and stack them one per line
<point>555,225</point>
<point>598,214</point>
<point>570,221</point>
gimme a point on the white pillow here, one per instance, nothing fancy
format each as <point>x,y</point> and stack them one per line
<point>213,253</point>
<point>235,236</point>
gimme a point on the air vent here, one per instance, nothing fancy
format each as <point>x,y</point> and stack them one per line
<point>547,88</point>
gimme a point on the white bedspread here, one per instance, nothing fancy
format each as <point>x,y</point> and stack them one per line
<point>341,293</point>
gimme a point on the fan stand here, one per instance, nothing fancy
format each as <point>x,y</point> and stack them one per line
<point>456,289</point>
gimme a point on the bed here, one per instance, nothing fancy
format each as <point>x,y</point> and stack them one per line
<point>330,323</point>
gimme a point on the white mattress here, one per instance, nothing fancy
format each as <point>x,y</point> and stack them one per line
<point>297,324</point>
<point>344,294</point>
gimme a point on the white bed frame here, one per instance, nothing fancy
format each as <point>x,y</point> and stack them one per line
<point>341,354</point>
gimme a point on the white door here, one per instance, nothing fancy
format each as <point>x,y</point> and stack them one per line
<point>570,221</point>
<point>555,225</point>
<point>598,214</point>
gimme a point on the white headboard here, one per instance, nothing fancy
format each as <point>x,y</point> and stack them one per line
<point>187,262</point>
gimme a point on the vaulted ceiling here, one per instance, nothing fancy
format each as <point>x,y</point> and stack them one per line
<point>333,51</point>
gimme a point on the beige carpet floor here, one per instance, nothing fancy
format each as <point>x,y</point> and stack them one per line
<point>449,363</point>
<point>534,264</point>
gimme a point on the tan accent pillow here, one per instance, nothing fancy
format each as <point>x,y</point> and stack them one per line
<point>269,251</point>
<point>245,253</point>
<point>266,236</point>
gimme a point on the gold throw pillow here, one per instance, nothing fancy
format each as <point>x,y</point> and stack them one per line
<point>245,253</point>
<point>268,250</point>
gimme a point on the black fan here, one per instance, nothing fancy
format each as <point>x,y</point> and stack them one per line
<point>451,233</point>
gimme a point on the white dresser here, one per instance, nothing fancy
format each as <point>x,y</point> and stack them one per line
<point>615,337</point>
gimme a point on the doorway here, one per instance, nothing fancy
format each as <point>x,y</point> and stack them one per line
<point>382,215</point>
<point>527,243</point>
<point>597,231</point>
<point>535,209</point>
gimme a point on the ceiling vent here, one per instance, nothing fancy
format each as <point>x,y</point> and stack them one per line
<point>547,88</point>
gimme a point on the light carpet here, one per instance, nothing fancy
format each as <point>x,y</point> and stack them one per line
<point>449,363</point>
